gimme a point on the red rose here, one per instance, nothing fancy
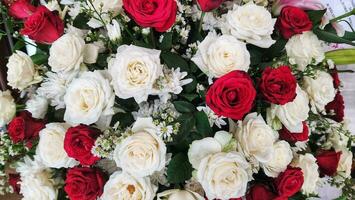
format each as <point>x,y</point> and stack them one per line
<point>328,162</point>
<point>25,128</point>
<point>14,180</point>
<point>260,192</point>
<point>294,137</point>
<point>208,5</point>
<point>43,26</point>
<point>292,21</point>
<point>289,182</point>
<point>336,108</point>
<point>78,143</point>
<point>278,86</point>
<point>21,9</point>
<point>232,95</point>
<point>336,80</point>
<point>158,14</point>
<point>84,183</point>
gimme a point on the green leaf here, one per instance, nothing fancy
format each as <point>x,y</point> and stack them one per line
<point>179,169</point>
<point>19,45</point>
<point>184,107</point>
<point>189,97</point>
<point>256,54</point>
<point>173,60</point>
<point>125,119</point>
<point>331,37</point>
<point>202,124</point>
<point>276,49</point>
<point>81,21</point>
<point>349,36</point>
<point>187,123</point>
<point>39,58</point>
<point>191,87</point>
<point>316,16</point>
<point>167,41</point>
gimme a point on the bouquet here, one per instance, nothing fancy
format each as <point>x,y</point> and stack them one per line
<point>174,100</point>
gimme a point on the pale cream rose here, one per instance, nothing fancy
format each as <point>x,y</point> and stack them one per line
<point>134,71</point>
<point>251,23</point>
<point>345,163</point>
<point>320,89</point>
<point>142,153</point>
<point>21,71</point>
<point>219,55</point>
<point>176,194</point>
<point>281,159</point>
<point>7,107</point>
<point>304,49</point>
<point>121,185</point>
<point>308,164</point>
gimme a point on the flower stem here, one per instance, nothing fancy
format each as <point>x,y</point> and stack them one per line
<point>201,21</point>
<point>348,14</point>
<point>152,37</point>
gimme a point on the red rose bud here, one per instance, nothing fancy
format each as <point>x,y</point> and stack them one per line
<point>336,108</point>
<point>260,192</point>
<point>336,80</point>
<point>328,162</point>
<point>158,14</point>
<point>232,95</point>
<point>78,143</point>
<point>278,86</point>
<point>21,9</point>
<point>84,183</point>
<point>43,26</point>
<point>293,21</point>
<point>14,180</point>
<point>24,128</point>
<point>209,5</point>
<point>289,182</point>
<point>285,134</point>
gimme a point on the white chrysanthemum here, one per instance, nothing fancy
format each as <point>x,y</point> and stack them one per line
<point>7,107</point>
<point>37,106</point>
<point>212,117</point>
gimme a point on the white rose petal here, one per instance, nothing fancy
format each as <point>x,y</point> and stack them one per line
<point>251,23</point>
<point>176,194</point>
<point>309,168</point>
<point>91,52</point>
<point>320,90</point>
<point>7,107</point>
<point>345,163</point>
<point>66,53</point>
<point>199,149</point>
<point>256,138</point>
<point>303,49</point>
<point>114,30</point>
<point>281,159</point>
<point>21,71</point>
<point>88,98</point>
<point>121,185</point>
<point>219,55</point>
<point>134,71</point>
<point>104,6</point>
<point>224,175</point>
<point>37,106</point>
<point>142,153</point>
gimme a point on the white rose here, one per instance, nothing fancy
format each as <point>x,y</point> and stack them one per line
<point>293,113</point>
<point>114,30</point>
<point>219,55</point>
<point>303,49</point>
<point>320,90</point>
<point>104,6</point>
<point>134,71</point>
<point>91,52</point>
<point>309,168</point>
<point>176,194</point>
<point>281,159</point>
<point>251,23</point>
<point>142,153</point>
<point>50,148</point>
<point>89,98</point>
<point>256,138</point>
<point>345,163</point>
<point>7,107</point>
<point>37,106</point>
<point>224,175</point>
<point>21,71</point>
<point>121,185</point>
<point>66,53</point>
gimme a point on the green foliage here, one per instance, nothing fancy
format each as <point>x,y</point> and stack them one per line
<point>40,58</point>
<point>174,60</point>
<point>167,41</point>
<point>179,169</point>
<point>81,21</point>
<point>202,124</point>
<point>184,107</point>
<point>316,16</point>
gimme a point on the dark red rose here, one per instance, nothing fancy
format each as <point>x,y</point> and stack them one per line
<point>14,180</point>
<point>328,162</point>
<point>158,14</point>
<point>24,128</point>
<point>294,137</point>
<point>289,182</point>
<point>260,192</point>
<point>43,26</point>
<point>84,183</point>
<point>336,80</point>
<point>232,95</point>
<point>278,86</point>
<point>21,9</point>
<point>292,21</point>
<point>336,108</point>
<point>78,143</point>
<point>209,5</point>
